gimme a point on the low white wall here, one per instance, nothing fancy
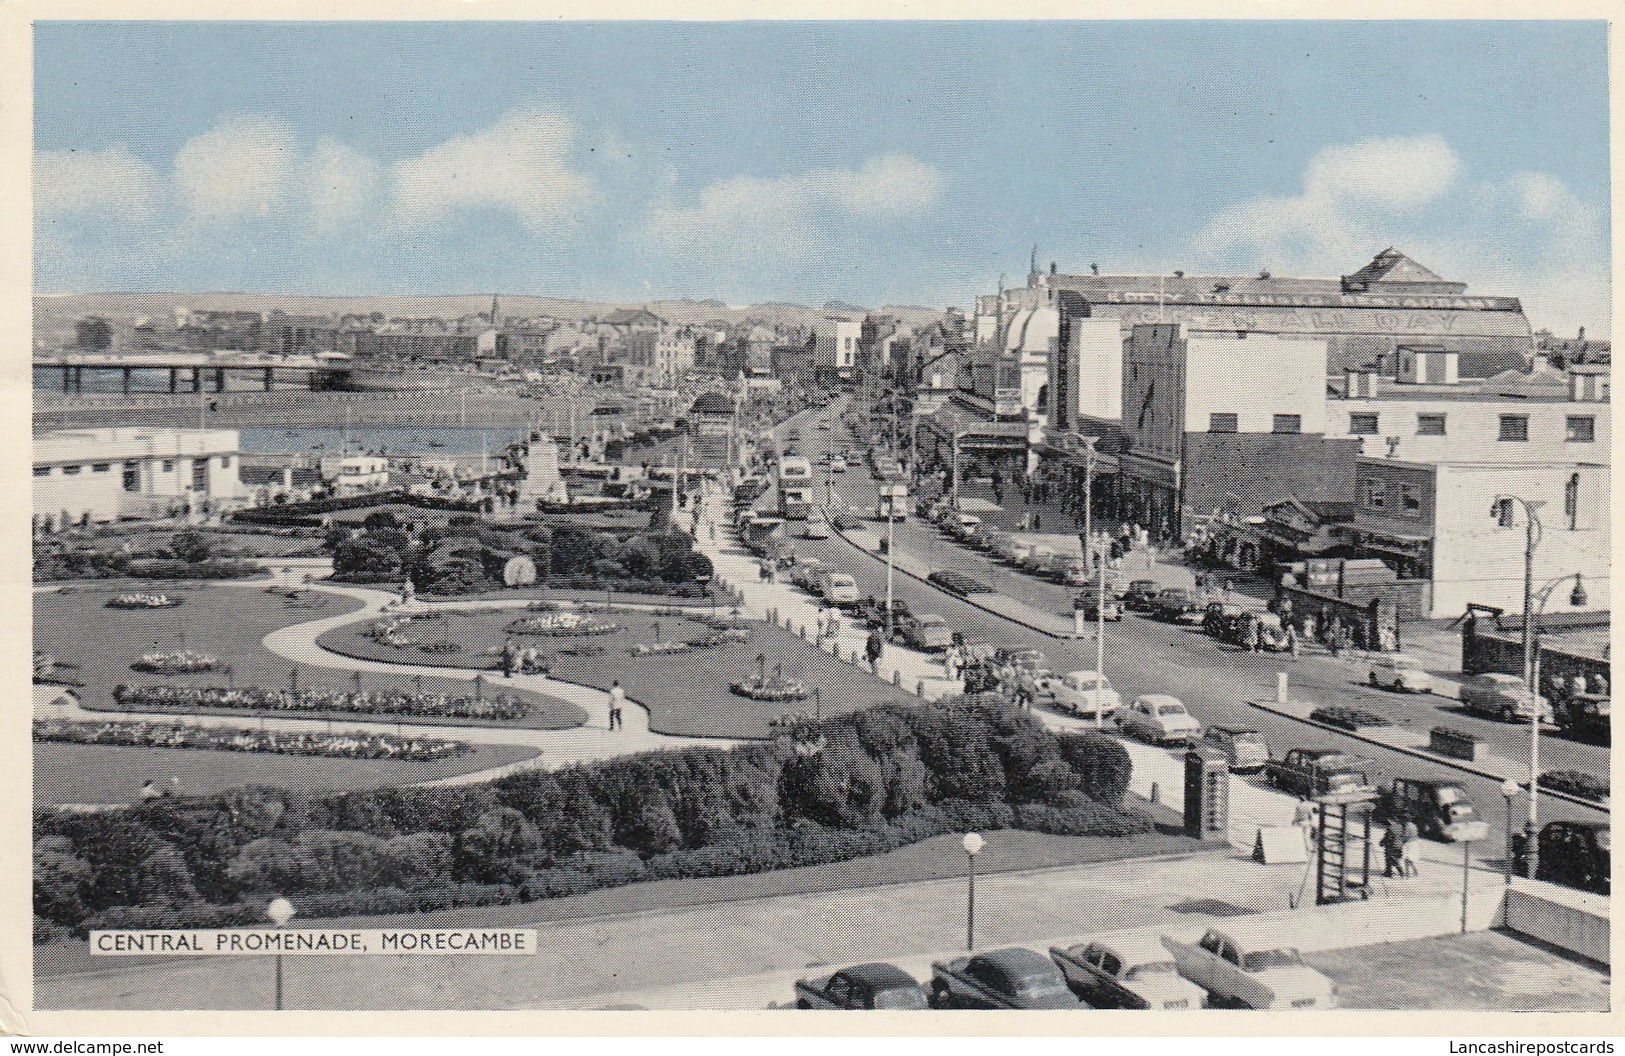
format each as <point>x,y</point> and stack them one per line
<point>1571,920</point>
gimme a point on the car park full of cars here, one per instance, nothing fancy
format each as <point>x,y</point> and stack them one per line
<point>1007,978</point>
<point>863,987</point>
<point>1160,719</point>
<point>1126,972</point>
<point>1244,966</point>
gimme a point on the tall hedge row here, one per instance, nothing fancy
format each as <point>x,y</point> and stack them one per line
<point>846,787</point>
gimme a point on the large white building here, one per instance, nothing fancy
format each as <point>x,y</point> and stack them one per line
<point>88,476</point>
<point>659,357</point>
<point>836,343</point>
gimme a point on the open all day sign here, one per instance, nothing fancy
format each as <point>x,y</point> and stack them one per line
<point>248,942</point>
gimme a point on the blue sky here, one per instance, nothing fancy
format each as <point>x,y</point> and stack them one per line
<point>869,162</point>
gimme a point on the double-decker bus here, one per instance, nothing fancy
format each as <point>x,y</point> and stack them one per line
<point>795,487</point>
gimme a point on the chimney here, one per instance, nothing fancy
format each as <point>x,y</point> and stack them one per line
<point>1360,382</point>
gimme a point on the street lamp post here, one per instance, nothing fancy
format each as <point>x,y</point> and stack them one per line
<point>1533,604</point>
<point>973,845</point>
<point>890,549</point>
<point>280,911</point>
<point>1466,879</point>
<point>1509,789</point>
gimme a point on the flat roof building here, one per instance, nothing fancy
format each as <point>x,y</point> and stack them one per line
<point>90,476</point>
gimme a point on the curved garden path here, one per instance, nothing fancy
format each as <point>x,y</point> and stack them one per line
<point>557,748</point>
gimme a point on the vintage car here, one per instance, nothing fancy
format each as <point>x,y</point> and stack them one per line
<point>992,539</point>
<point>1160,719</point>
<point>1400,673</point>
<point>817,527</point>
<point>1008,978</point>
<point>1309,772</point>
<point>1088,603</point>
<point>838,589</point>
<point>1243,747</point>
<point>837,464</point>
<point>1505,697</point>
<point>1139,595</point>
<point>864,986</point>
<point>1076,692</point>
<point>1440,807</point>
<point>963,526</point>
<point>1013,549</point>
<point>1572,853</point>
<point>1264,629</point>
<point>1126,972</point>
<point>928,632</point>
<point>1242,966</point>
<point>1176,605</point>
<point>807,574</point>
<point>1220,620</point>
<point>1037,560</point>
<point>872,611</point>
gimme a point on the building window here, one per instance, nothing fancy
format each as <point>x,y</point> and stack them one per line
<point>101,467</point>
<point>200,474</point>
<point>1515,427</point>
<point>225,461</point>
<point>71,471</point>
<point>1430,425</point>
<point>1288,423</point>
<point>132,476</point>
<point>1571,501</point>
<point>1221,423</point>
<point>1410,500</point>
<point>1376,494</point>
<point>1363,424</point>
<point>1582,430</point>
<point>169,465</point>
<point>42,471</point>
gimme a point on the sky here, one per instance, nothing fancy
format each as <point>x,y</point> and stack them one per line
<point>874,163</point>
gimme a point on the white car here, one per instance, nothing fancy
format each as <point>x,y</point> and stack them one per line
<point>1126,972</point>
<point>1014,550</point>
<point>1159,718</point>
<point>1037,559</point>
<point>1076,692</point>
<point>1243,966</point>
<point>837,464</point>
<point>817,528</point>
<point>1400,673</point>
<point>1505,697</point>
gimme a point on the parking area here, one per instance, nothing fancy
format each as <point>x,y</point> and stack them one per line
<point>1486,970</point>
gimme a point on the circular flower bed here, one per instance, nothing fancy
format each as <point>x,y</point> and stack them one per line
<point>659,649</point>
<point>173,735</point>
<point>562,625</point>
<point>772,688</point>
<point>404,705</point>
<point>143,601</point>
<point>184,662</point>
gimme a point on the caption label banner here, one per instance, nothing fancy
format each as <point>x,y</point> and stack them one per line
<point>252,942</point>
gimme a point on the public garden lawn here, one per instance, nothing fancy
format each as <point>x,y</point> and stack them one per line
<point>228,623</point>
<point>101,773</point>
<point>687,694</point>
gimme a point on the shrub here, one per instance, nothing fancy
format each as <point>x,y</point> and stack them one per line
<point>1347,718</point>
<point>1102,764</point>
<point>1575,783</point>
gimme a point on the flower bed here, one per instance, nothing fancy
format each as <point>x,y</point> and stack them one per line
<point>1576,783</point>
<point>1455,744</point>
<point>172,735</point>
<point>143,601</point>
<point>562,625</point>
<point>660,649</point>
<point>402,705</point>
<point>772,688</point>
<point>184,662</point>
<point>1345,718</point>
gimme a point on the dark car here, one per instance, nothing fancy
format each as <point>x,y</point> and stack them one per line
<point>1138,596</point>
<point>1306,772</point>
<point>958,583</point>
<point>1175,604</point>
<point>1572,853</point>
<point>1440,807</point>
<point>863,987</point>
<point>1008,978</point>
<point>872,611</point>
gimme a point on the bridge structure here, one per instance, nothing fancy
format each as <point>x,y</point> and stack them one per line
<point>195,371</point>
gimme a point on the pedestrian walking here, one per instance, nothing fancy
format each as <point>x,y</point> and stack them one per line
<point>874,647</point>
<point>1304,816</point>
<point>617,700</point>
<point>1393,849</point>
<point>1413,849</point>
<point>1038,521</point>
<point>1026,690</point>
<point>1026,519</point>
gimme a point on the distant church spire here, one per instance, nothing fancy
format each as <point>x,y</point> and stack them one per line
<point>494,309</point>
<point>1032,267</point>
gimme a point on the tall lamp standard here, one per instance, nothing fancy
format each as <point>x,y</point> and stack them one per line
<point>280,911</point>
<point>1533,604</point>
<point>1509,789</point>
<point>1088,551</point>
<point>973,846</point>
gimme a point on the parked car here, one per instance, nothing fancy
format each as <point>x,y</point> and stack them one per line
<point>1076,692</point>
<point>1440,807</point>
<point>1014,550</point>
<point>1243,746</point>
<point>1572,853</point>
<point>1037,559</point>
<point>845,520</point>
<point>807,574</point>
<point>1505,697</point>
<point>839,589</point>
<point>963,526</point>
<point>863,987</point>
<point>817,527</point>
<point>1008,978</point>
<point>872,611</point>
<point>1218,618</point>
<point>929,633</point>
<point>1244,966</point>
<point>1309,772</point>
<point>958,583</point>
<point>1176,605</point>
<point>1023,658</point>
<point>1126,973</point>
<point>1088,603</point>
<point>1160,719</point>
<point>1400,673</point>
<point>837,464</point>
<point>1140,594</point>
<point>1072,572</point>
<point>992,539</point>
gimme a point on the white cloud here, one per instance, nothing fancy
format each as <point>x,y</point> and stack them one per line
<point>340,183</point>
<point>243,166</point>
<point>790,214</point>
<point>521,164</point>
<point>1527,236</point>
<point>106,181</point>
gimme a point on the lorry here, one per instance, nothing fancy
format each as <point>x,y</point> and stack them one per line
<point>893,504</point>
